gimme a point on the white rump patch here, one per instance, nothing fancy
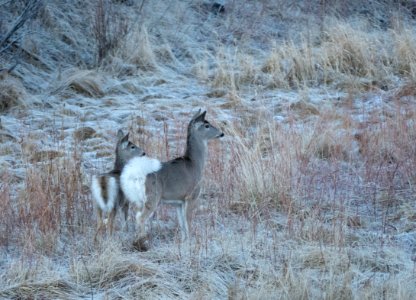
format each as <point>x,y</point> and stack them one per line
<point>111,188</point>
<point>133,178</point>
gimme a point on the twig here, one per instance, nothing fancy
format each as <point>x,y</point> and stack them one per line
<point>9,70</point>
<point>139,15</point>
<point>141,7</point>
<point>89,277</point>
<point>5,2</point>
<point>29,12</point>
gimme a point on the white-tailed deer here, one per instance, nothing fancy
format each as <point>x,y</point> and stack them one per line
<point>177,181</point>
<point>105,187</point>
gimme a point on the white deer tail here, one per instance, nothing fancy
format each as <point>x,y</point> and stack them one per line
<point>133,178</point>
<point>104,191</point>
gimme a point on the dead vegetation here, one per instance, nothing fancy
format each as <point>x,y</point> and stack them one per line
<point>12,92</point>
<point>310,195</point>
<point>282,204</point>
<point>109,29</point>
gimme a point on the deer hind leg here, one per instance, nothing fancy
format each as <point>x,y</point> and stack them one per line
<point>100,224</point>
<point>144,214</point>
<point>125,208</point>
<point>100,220</point>
<point>111,218</point>
<point>141,218</point>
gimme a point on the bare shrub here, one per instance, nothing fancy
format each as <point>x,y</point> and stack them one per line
<point>109,29</point>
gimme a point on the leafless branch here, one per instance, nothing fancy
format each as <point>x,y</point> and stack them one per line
<point>30,11</point>
<point>108,28</point>
<point>10,69</point>
<point>5,2</point>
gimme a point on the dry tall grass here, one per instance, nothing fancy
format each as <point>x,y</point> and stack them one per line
<point>308,196</point>
<point>282,207</point>
<point>51,202</point>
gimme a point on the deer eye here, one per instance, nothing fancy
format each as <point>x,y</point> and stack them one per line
<point>133,147</point>
<point>206,125</point>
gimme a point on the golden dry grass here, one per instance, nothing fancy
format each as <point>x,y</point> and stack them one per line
<point>308,196</point>
<point>276,214</point>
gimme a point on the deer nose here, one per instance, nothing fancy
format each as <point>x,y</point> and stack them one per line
<point>144,154</point>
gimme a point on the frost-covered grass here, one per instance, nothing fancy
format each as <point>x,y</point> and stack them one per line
<point>325,208</point>
<point>309,195</point>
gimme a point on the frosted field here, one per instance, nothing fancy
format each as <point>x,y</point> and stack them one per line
<point>310,194</point>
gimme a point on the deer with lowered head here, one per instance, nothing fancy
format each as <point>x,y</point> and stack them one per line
<point>178,181</point>
<point>105,188</point>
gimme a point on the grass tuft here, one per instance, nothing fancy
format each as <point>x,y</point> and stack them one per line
<point>83,82</point>
<point>137,49</point>
<point>12,93</point>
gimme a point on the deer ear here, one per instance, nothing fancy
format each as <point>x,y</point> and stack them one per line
<point>120,134</point>
<point>201,117</point>
<point>124,141</point>
<point>196,115</point>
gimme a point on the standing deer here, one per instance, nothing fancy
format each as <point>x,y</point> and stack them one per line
<point>105,187</point>
<point>177,182</point>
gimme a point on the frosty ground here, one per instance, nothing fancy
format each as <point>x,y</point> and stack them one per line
<point>310,194</point>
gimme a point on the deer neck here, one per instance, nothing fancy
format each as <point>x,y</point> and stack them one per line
<point>196,152</point>
<point>119,163</point>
